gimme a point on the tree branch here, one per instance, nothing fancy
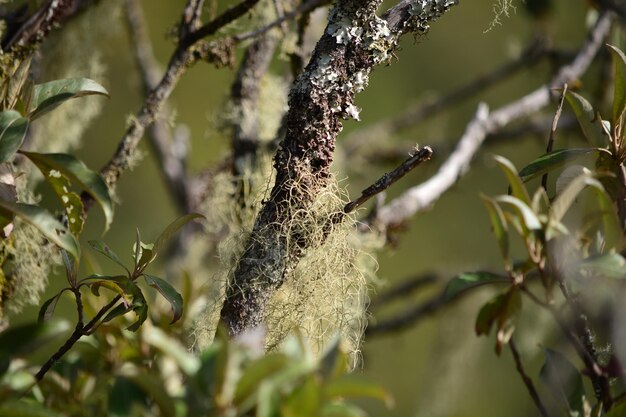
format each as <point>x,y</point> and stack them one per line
<point>527,381</point>
<point>484,123</point>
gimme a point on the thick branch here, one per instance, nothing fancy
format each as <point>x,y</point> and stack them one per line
<point>354,42</point>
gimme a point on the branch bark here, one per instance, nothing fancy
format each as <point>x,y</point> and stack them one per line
<point>354,42</point>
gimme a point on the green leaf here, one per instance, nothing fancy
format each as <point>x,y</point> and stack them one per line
<point>157,338</point>
<point>118,310</point>
<point>619,96</point>
<point>78,172</point>
<point>587,118</point>
<point>47,308</point>
<point>24,339</point>
<point>501,311</point>
<point>25,408</point>
<point>50,95</point>
<point>466,281</point>
<point>257,372</point>
<point>564,380</point>
<point>499,225</point>
<point>153,388</point>
<point>171,229</point>
<point>618,410</point>
<point>304,400</point>
<point>564,201</point>
<point>139,306</point>
<point>518,189</point>
<point>169,293</point>
<point>50,227</point>
<point>13,129</point>
<point>526,215</point>
<point>104,249</point>
<point>553,160</point>
<point>611,265</point>
<point>350,386</point>
<point>340,409</point>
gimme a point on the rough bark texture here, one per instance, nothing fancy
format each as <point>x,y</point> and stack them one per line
<point>354,41</point>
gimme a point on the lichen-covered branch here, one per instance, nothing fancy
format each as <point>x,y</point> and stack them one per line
<point>354,42</point>
<point>422,196</point>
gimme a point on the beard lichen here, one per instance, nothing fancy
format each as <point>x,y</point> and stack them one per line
<point>323,295</point>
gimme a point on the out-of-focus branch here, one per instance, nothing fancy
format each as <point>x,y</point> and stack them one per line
<point>170,150</point>
<point>484,123</point>
<point>530,386</point>
<point>403,289</point>
<point>422,110</point>
<point>36,28</point>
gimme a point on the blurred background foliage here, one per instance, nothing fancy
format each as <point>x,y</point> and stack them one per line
<point>438,367</point>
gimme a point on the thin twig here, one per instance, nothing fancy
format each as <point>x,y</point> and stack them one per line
<point>422,196</point>
<point>403,289</point>
<point>555,123</point>
<point>417,157</point>
<point>527,381</point>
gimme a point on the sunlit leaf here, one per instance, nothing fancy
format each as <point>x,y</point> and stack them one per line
<point>465,281</point>
<point>169,293</point>
<point>47,224</point>
<point>518,189</point>
<point>553,160</point>
<point>13,129</point>
<point>50,95</point>
<point>104,249</point>
<point>526,215</point>
<point>350,386</point>
<point>499,225</point>
<point>619,96</point>
<point>78,172</point>
<point>587,119</point>
<point>564,201</point>
<point>341,409</point>
<point>172,347</point>
<point>564,380</point>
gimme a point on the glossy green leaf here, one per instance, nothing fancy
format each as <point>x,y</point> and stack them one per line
<point>169,293</point>
<point>13,130</point>
<point>564,380</point>
<point>499,226</point>
<point>171,229</point>
<point>78,172</point>
<point>619,95</point>
<point>553,160</point>
<point>25,408</point>
<point>526,215</point>
<point>118,310</point>
<point>47,224</point>
<point>612,265</point>
<point>468,280</point>
<point>350,386</point>
<point>518,189</point>
<point>587,119</point>
<point>104,249</point>
<point>50,95</point>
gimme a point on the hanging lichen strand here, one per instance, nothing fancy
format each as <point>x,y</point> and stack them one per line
<point>355,40</point>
